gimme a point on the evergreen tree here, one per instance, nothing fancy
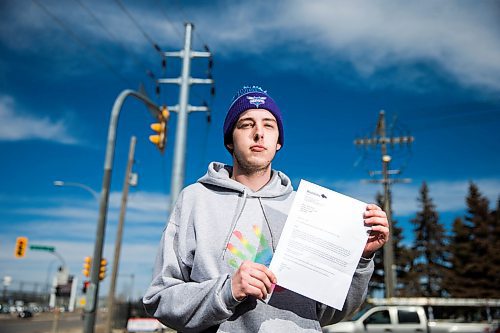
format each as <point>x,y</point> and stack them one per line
<point>456,283</point>
<point>474,249</point>
<point>429,247</point>
<point>495,250</point>
<point>479,219</point>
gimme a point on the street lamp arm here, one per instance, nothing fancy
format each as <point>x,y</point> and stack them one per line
<point>60,258</point>
<point>83,186</point>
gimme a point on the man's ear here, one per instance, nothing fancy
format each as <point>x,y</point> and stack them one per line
<point>278,146</point>
<point>230,146</point>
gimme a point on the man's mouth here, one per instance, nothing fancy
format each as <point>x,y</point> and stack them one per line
<point>257,148</point>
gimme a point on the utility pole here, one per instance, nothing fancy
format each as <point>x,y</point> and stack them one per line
<point>380,138</point>
<point>119,233</point>
<point>183,108</point>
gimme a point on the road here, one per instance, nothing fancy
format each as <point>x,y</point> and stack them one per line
<point>44,323</point>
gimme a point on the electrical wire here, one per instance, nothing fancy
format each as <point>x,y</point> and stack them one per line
<point>148,38</point>
<point>82,43</point>
<point>167,18</point>
<point>181,9</point>
<point>458,119</point>
<point>183,12</point>
<point>449,116</point>
<point>113,37</point>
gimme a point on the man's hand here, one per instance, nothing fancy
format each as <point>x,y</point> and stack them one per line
<point>252,279</point>
<point>376,218</point>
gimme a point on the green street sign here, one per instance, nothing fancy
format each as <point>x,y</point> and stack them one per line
<point>42,248</point>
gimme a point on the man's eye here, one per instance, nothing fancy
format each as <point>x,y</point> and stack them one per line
<point>269,125</point>
<point>246,125</point>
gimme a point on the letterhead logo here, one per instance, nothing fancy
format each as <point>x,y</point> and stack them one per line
<point>322,195</point>
<point>256,100</point>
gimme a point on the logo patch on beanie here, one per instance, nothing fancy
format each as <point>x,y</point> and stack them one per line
<point>256,100</point>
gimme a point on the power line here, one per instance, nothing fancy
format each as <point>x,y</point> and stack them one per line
<point>449,112</point>
<point>164,13</point>
<point>112,36</point>
<point>181,9</point>
<point>148,38</point>
<point>183,12</point>
<point>82,43</point>
<point>179,5</point>
<point>466,118</point>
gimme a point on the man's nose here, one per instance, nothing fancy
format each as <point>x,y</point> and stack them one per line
<point>259,133</point>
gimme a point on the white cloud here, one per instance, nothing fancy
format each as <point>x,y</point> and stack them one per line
<point>78,216</point>
<point>461,38</point>
<point>142,201</point>
<point>70,226</point>
<point>16,125</point>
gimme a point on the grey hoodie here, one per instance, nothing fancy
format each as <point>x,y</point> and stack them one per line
<point>215,225</point>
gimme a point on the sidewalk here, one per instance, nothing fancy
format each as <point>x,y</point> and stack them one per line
<point>100,329</point>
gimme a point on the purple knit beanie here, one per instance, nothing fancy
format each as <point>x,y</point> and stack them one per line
<point>246,98</point>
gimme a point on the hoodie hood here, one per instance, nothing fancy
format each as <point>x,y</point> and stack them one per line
<point>219,175</point>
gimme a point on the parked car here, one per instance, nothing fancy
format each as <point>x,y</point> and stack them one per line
<point>404,319</point>
<point>25,314</point>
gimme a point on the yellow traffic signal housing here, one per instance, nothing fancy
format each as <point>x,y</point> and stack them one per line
<point>160,138</point>
<point>21,245</point>
<point>160,128</point>
<point>165,113</point>
<point>102,269</point>
<point>87,264</point>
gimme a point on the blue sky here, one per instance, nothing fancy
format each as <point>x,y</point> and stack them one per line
<point>330,65</point>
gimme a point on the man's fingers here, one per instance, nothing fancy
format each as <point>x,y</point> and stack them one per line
<point>254,287</point>
<point>372,207</point>
<point>255,279</point>
<point>372,213</point>
<point>263,278</point>
<point>373,221</point>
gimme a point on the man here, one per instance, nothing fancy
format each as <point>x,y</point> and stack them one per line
<point>211,271</point>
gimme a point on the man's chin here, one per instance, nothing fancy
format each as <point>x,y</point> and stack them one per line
<point>254,165</point>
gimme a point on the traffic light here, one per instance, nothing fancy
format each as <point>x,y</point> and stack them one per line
<point>165,113</point>
<point>160,128</point>
<point>102,269</point>
<point>21,245</point>
<point>85,286</point>
<point>87,264</point>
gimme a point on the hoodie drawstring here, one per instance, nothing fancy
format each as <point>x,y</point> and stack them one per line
<point>239,210</point>
<point>268,225</point>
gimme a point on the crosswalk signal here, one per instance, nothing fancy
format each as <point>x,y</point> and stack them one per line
<point>87,264</point>
<point>102,269</point>
<point>21,245</point>
<point>160,128</point>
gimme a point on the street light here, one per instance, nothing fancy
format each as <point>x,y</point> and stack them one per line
<point>61,183</point>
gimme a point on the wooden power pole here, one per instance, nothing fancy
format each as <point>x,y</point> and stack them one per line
<point>380,138</point>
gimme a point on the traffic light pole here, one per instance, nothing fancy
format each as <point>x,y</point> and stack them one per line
<point>93,289</point>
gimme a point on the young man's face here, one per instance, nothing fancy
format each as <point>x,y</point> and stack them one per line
<point>255,140</point>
